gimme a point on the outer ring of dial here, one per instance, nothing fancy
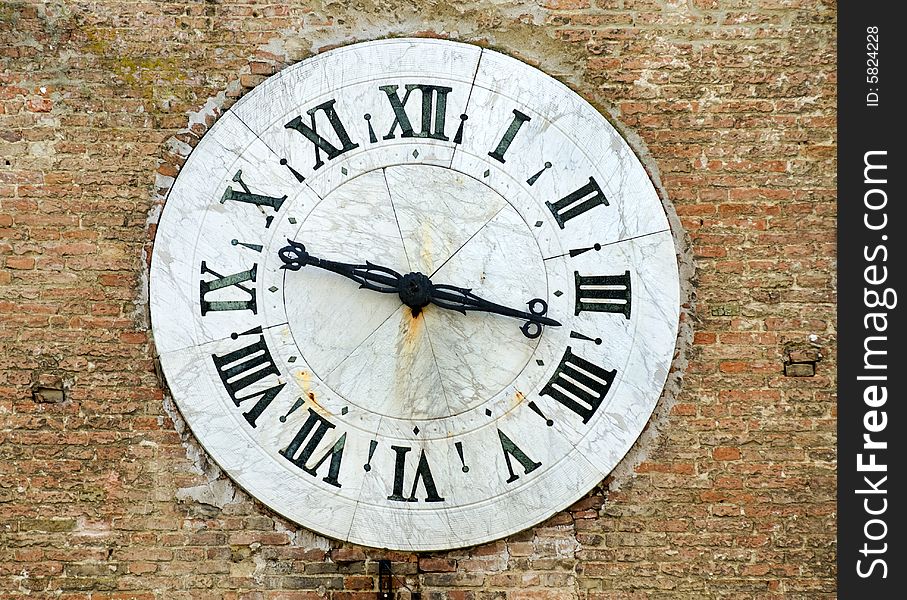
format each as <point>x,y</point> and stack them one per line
<point>254,488</point>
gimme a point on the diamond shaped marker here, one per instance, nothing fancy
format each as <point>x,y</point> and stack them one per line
<point>416,430</point>
<point>273,288</point>
<point>343,170</point>
<point>415,154</point>
<point>538,223</point>
<point>292,220</point>
<point>344,410</point>
<point>558,293</point>
<point>540,362</point>
<point>486,173</point>
<point>488,412</point>
<point>292,359</point>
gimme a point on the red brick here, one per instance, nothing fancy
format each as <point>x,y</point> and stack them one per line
<point>742,133</point>
<point>726,454</point>
<point>20,262</point>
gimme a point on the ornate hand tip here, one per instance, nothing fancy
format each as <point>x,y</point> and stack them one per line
<point>294,256</point>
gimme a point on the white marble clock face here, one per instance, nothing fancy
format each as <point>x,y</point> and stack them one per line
<point>344,408</point>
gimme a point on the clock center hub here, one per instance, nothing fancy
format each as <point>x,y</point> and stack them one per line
<point>415,291</point>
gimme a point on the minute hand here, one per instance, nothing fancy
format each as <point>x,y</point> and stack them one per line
<point>462,300</point>
<point>368,276</point>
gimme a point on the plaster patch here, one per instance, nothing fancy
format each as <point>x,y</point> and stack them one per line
<point>217,493</point>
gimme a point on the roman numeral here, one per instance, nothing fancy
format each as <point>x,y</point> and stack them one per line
<point>603,293</point>
<point>579,385</point>
<point>434,104</point>
<point>574,204</point>
<point>518,120</point>
<point>321,144</point>
<point>423,474</point>
<point>244,367</point>
<point>235,280</point>
<point>245,195</point>
<point>511,449</point>
<point>317,426</point>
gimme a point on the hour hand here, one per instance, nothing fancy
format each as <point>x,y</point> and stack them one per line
<point>462,300</point>
<point>369,276</point>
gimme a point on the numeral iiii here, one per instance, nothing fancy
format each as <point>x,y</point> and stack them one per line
<point>579,385</point>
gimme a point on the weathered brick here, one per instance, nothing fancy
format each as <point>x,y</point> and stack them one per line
<point>741,129</point>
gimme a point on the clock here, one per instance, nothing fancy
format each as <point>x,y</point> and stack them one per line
<point>414,294</point>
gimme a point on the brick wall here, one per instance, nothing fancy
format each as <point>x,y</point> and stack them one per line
<point>103,496</point>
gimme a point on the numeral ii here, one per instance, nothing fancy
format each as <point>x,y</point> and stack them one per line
<point>576,203</point>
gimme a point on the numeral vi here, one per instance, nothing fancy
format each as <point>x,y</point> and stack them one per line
<point>423,475</point>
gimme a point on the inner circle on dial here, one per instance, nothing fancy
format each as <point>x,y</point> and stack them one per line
<point>381,355</point>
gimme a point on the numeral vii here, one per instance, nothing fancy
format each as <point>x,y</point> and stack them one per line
<point>315,426</point>
<point>579,385</point>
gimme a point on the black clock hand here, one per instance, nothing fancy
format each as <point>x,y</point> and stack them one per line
<point>462,300</point>
<point>368,276</point>
<point>416,290</point>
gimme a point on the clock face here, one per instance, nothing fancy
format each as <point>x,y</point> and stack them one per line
<point>414,294</point>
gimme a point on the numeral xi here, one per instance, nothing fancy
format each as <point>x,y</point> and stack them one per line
<point>319,141</point>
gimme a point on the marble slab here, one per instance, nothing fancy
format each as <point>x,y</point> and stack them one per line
<point>340,407</point>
